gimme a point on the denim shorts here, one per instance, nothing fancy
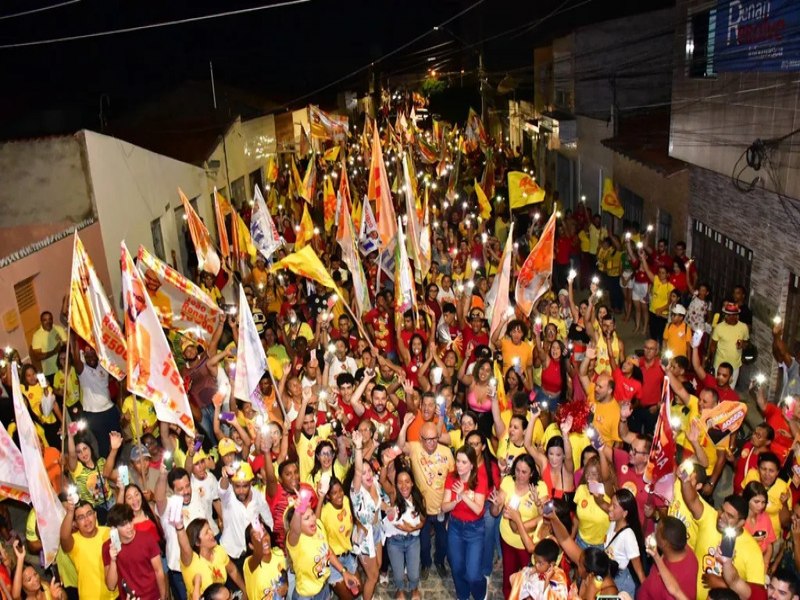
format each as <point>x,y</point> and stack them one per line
<point>349,562</point>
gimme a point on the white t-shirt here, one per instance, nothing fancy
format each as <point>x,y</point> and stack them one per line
<point>237,517</point>
<point>409,517</point>
<point>94,385</point>
<point>348,365</point>
<point>624,546</point>
<point>205,491</point>
<point>191,511</point>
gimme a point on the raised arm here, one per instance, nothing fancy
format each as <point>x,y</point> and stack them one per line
<point>645,266</point>
<point>697,364</point>
<point>583,373</point>
<point>401,437</point>
<point>690,496</point>
<point>355,401</point>
<point>779,349</point>
<point>115,442</point>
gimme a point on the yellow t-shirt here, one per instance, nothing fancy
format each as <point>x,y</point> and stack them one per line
<point>310,561</point>
<point>527,510</point>
<point>678,509</point>
<point>305,449</point>
<point>510,350</point>
<point>613,263</point>
<point>726,337</point>
<point>144,412</point>
<point>87,556</point>
<point>705,441</point>
<point>266,577</point>
<point>774,494</point>
<point>210,571</point>
<point>659,294</point>
<point>72,395</point>
<point>338,526</point>
<point>508,451</point>
<point>677,338</point>
<point>583,236</point>
<point>34,395</point>
<point>593,521</point>
<point>606,417</point>
<point>66,570</point>
<point>430,472</point>
<point>747,557</point>
<point>213,292</point>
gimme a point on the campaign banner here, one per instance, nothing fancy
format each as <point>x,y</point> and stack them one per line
<point>180,304</point>
<point>325,126</point>
<point>251,361</point>
<point>13,483</point>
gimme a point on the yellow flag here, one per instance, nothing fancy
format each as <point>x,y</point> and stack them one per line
<point>356,214</point>
<point>306,263</point>
<point>329,203</point>
<point>224,205</point>
<point>271,170</point>
<point>306,231</point>
<point>244,242</point>
<point>522,190</point>
<point>297,181</point>
<point>483,201</point>
<point>309,189</point>
<point>610,202</point>
<point>331,154</point>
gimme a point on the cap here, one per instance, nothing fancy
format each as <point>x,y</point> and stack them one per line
<point>243,474</point>
<point>187,343</point>
<point>200,455</point>
<point>563,292</point>
<point>679,309</point>
<point>226,446</point>
<point>730,308</point>
<point>139,451</point>
<point>291,289</point>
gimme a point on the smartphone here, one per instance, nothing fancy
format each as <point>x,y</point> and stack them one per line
<point>595,487</point>
<point>42,380</point>
<point>124,475</point>
<point>169,462</point>
<point>513,502</point>
<point>727,545</point>
<point>115,541</point>
<point>174,508</point>
<point>548,507</point>
<point>198,441</point>
<point>73,428</point>
<point>227,416</point>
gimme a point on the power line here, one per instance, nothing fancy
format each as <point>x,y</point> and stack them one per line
<point>230,13</point>
<point>41,9</point>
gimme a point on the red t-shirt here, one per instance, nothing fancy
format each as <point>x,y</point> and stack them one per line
<point>277,506</point>
<point>679,282</point>
<point>724,393</point>
<point>625,388</point>
<point>629,479</point>
<point>478,339</point>
<point>653,375</point>
<point>782,444</point>
<point>684,570</point>
<point>390,422</point>
<point>563,249</point>
<point>134,566</point>
<point>463,512</point>
<point>660,260</point>
<point>381,323</point>
<point>406,335</point>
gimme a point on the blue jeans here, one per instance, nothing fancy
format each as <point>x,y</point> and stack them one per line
<point>491,540</point>
<point>323,594</point>
<point>465,552</point>
<point>177,585</point>
<point>403,553</point>
<point>207,422</point>
<point>625,583</point>
<point>431,522</point>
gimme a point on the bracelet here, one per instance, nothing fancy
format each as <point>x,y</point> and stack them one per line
<point>179,529</point>
<point>623,420</point>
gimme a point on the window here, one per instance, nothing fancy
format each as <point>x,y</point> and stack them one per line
<point>565,181</point>
<point>701,29</point>
<point>633,206</point>
<point>257,178</point>
<point>238,193</point>
<point>732,262</point>
<point>28,307</point>
<point>664,229</point>
<point>158,239</point>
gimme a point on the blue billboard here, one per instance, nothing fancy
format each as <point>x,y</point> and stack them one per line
<point>757,36</point>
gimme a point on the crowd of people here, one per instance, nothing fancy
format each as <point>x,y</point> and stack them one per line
<point>424,441</point>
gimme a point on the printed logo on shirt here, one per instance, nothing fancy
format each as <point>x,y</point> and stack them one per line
<point>631,486</point>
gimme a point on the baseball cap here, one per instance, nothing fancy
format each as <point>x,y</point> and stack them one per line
<point>226,446</point>
<point>139,451</point>
<point>679,309</point>
<point>243,474</point>
<point>291,289</point>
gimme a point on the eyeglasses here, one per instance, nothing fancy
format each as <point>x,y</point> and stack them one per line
<point>326,453</point>
<point>632,451</point>
<point>84,516</point>
<point>428,439</point>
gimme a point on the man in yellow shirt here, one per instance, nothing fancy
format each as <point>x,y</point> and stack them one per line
<point>46,343</point>
<point>600,396</point>
<point>728,339</point>
<point>711,525</point>
<point>85,548</point>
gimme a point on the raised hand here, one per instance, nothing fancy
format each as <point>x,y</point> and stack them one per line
<point>566,425</point>
<point>115,439</point>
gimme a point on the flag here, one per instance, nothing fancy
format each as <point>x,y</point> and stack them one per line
<point>368,232</point>
<point>414,226</point>
<point>378,190</point>
<point>502,399</point>
<point>49,511</point>
<point>452,183</point>
<point>91,316</point>
<point>325,126</point>
<point>307,264</point>
<point>534,276</point>
<point>483,201</point>
<point>344,191</point>
<point>295,179</point>
<point>12,470</point>
<point>664,449</point>
<point>309,184</point>
<point>224,205</point>
<point>522,190</point>
<point>272,200</point>
<point>180,305</point>
<point>251,362</point>
<point>152,372</point>
<point>345,237</point>
<point>207,259</point>
<point>331,154</point>
<point>222,228</point>
<point>425,245</point>
<point>487,180</point>
<point>262,227</point>
<point>427,151</point>
<point>305,143</point>
<point>497,297</point>
<point>405,296</point>
<point>306,231</point>
<point>474,132</point>
<point>271,170</point>
<point>610,202</point>
<point>244,248</point>
<point>329,203</point>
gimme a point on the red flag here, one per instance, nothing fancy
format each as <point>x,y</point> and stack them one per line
<point>664,449</point>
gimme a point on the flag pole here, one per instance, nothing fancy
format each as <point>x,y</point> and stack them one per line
<point>64,412</point>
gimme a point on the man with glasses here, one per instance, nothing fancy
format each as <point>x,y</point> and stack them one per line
<point>430,462</point>
<point>82,539</point>
<point>645,412</point>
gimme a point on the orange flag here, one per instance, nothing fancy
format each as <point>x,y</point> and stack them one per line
<point>378,189</point>
<point>271,170</point>
<point>207,259</point>
<point>222,229</point>
<point>310,181</point>
<point>534,277</point>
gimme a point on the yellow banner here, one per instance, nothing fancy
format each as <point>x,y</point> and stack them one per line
<point>522,190</point>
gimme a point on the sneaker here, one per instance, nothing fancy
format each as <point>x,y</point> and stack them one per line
<point>423,575</point>
<point>441,570</point>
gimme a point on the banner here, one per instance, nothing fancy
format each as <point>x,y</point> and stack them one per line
<point>12,470</point>
<point>325,126</point>
<point>483,201</point>
<point>497,297</point>
<point>152,373</point>
<point>207,259</point>
<point>610,202</point>
<point>345,237</point>
<point>368,237</point>
<point>379,191</point>
<point>534,277</point>
<point>251,361</point>
<point>179,304</point>
<point>522,190</point>
<point>49,511</point>
<point>405,296</point>
<point>664,449</point>
<point>91,316</point>
<point>757,36</point>
<point>262,227</point>
<point>307,264</point>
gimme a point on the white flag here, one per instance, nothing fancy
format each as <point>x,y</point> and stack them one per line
<point>368,234</point>
<point>262,228</point>
<point>251,361</point>
<point>152,372</point>
<point>497,297</point>
<point>49,512</point>
<point>12,470</point>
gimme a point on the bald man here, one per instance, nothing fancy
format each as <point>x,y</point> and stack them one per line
<point>430,462</point>
<point>600,395</point>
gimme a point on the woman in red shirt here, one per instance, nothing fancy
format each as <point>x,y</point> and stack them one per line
<point>465,499</point>
<point>628,378</point>
<point>678,277</point>
<point>553,360</point>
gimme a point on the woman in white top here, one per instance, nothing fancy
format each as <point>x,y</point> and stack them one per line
<point>625,542</point>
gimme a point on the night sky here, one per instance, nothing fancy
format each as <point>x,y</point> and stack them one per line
<point>280,54</point>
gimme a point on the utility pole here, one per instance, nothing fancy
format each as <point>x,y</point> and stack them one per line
<point>224,131</point>
<point>481,75</point>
